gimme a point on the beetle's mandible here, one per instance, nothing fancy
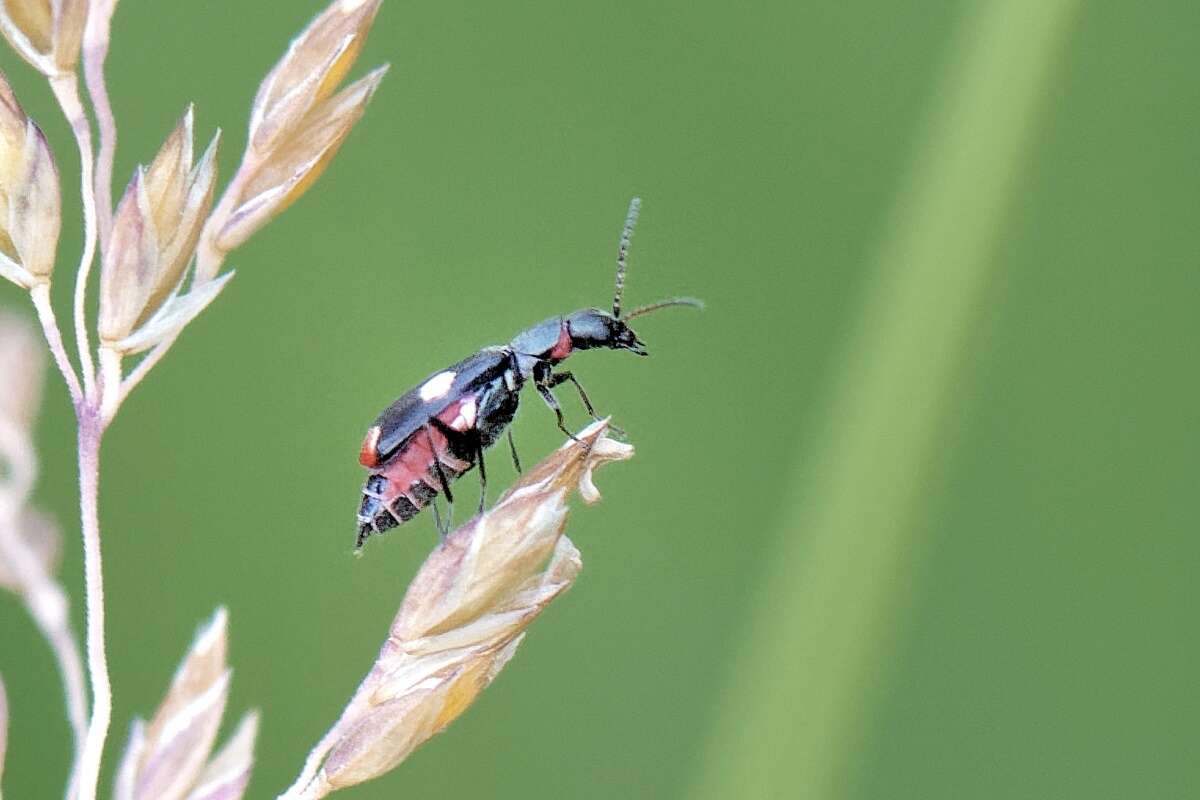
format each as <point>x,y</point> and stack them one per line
<point>437,431</point>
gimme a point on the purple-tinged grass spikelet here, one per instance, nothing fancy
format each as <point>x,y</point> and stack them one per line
<point>168,757</point>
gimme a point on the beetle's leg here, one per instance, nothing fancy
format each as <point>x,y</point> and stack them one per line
<point>544,391</point>
<point>513,449</point>
<point>437,467</point>
<point>475,441</point>
<point>560,377</point>
<point>482,472</point>
<point>443,530</point>
<point>445,485</point>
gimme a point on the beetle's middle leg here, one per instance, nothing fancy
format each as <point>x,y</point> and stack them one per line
<point>482,472</point>
<point>462,441</point>
<point>513,449</point>
<point>445,485</point>
<point>443,529</point>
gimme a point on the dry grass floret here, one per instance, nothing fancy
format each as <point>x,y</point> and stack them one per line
<point>464,615</point>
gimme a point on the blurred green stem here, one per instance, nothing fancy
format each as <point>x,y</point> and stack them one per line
<point>794,714</point>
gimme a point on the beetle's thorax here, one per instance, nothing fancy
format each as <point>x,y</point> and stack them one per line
<point>547,342</point>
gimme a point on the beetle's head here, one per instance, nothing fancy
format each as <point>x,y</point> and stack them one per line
<point>592,327</point>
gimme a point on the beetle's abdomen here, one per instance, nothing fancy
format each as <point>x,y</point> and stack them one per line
<point>399,487</point>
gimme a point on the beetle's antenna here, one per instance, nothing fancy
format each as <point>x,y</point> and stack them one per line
<point>635,206</point>
<point>673,301</point>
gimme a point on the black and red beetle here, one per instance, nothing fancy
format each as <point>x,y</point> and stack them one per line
<point>439,430</point>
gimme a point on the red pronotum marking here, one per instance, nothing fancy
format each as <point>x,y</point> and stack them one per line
<point>562,348</point>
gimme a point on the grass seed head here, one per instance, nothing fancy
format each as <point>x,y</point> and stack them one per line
<point>155,230</point>
<point>298,122</point>
<point>30,205</point>
<point>297,160</point>
<point>465,614</point>
<point>46,33</point>
<point>315,63</point>
<point>168,758</point>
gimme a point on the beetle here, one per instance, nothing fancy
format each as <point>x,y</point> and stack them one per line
<point>439,429</point>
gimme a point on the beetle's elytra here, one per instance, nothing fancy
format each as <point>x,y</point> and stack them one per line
<point>438,430</point>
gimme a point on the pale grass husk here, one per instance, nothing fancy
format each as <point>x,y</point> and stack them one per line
<point>154,235</point>
<point>462,619</point>
<point>164,224</point>
<point>30,204</point>
<point>316,61</point>
<point>46,33</point>
<point>298,122</point>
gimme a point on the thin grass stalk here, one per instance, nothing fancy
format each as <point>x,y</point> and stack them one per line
<point>66,91</point>
<point>90,433</point>
<point>823,622</point>
<point>40,295</point>
<point>95,52</point>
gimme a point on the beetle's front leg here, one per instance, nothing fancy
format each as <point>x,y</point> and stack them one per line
<point>544,391</point>
<point>562,377</point>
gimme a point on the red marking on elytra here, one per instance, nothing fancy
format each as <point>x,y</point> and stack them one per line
<point>562,348</point>
<point>368,456</point>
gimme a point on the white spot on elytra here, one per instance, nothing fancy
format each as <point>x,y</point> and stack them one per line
<point>466,416</point>
<point>509,380</point>
<point>437,386</point>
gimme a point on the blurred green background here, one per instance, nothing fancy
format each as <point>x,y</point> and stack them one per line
<point>915,505</point>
